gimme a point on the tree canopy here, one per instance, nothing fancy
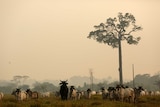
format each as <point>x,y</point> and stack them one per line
<point>115,29</point>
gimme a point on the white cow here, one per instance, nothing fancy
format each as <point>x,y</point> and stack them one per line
<point>79,95</point>
<point>20,95</point>
<point>113,94</point>
<point>156,93</point>
<point>86,94</point>
<point>142,93</point>
<point>73,95</point>
<point>105,93</point>
<point>146,92</point>
<point>151,93</point>
<point>89,94</point>
<point>46,94</point>
<point>126,94</point>
<point>93,93</point>
<point>138,92</point>
<point>1,95</point>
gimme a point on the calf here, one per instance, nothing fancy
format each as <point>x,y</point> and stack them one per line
<point>31,94</point>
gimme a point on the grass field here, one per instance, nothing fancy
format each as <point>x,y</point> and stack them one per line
<point>95,101</point>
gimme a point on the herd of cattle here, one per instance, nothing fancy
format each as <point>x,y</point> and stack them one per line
<point>118,93</point>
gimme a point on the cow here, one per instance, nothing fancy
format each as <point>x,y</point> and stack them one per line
<point>31,94</point>
<point>63,90</point>
<point>151,93</point>
<point>142,93</point>
<point>112,94</point>
<point>156,93</point>
<point>19,95</point>
<point>57,94</point>
<point>1,95</point>
<point>73,93</point>
<point>89,93</point>
<point>93,92</point>
<point>79,94</point>
<point>138,92</point>
<point>125,93</point>
<point>46,94</point>
<point>105,93</point>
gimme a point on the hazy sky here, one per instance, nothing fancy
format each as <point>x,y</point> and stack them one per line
<point>47,39</point>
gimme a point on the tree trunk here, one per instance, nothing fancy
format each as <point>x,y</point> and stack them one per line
<point>120,61</point>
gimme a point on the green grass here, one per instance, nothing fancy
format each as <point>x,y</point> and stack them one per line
<point>95,101</point>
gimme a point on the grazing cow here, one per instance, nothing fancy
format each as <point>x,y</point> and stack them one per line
<point>72,93</point>
<point>105,93</point>
<point>31,94</point>
<point>64,90</point>
<point>20,95</point>
<point>1,95</point>
<point>46,94</point>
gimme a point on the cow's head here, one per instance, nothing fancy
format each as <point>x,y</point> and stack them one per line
<point>89,90</point>
<point>28,90</point>
<point>140,88</point>
<point>102,88</point>
<point>18,90</point>
<point>63,82</point>
<point>72,87</point>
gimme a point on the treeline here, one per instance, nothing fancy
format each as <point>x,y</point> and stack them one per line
<point>151,83</point>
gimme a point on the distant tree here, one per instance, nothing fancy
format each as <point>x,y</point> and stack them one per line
<point>115,30</point>
<point>19,80</point>
<point>24,78</point>
<point>24,87</point>
<point>8,88</point>
<point>37,86</point>
<point>156,79</point>
<point>43,87</point>
<point>157,83</point>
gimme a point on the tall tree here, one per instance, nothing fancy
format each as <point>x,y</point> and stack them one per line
<point>116,30</point>
<point>17,80</point>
